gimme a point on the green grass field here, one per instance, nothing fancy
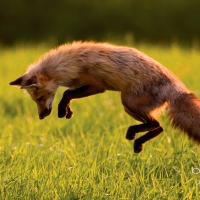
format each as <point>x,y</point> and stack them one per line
<point>88,157</point>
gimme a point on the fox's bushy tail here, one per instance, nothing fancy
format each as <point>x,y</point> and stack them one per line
<point>184,112</point>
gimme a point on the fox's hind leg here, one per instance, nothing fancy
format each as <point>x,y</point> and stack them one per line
<point>139,107</point>
<point>138,144</point>
<point>148,124</point>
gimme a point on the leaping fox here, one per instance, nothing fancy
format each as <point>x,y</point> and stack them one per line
<point>88,68</point>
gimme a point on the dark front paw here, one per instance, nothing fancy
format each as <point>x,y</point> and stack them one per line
<point>61,112</point>
<point>69,113</point>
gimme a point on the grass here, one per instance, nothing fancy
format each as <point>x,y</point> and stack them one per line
<point>88,157</point>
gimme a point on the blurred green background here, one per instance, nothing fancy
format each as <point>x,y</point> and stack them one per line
<point>155,21</point>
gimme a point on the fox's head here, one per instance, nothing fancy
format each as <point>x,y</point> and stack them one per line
<point>41,89</point>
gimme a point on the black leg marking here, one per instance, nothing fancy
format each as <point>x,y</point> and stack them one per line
<point>132,130</point>
<point>68,95</point>
<point>84,91</point>
<point>138,144</point>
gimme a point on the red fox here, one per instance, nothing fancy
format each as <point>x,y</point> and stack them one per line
<point>89,68</point>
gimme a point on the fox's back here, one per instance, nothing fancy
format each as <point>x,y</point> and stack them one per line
<point>118,67</point>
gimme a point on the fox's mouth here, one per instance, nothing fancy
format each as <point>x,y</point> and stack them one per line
<point>45,113</point>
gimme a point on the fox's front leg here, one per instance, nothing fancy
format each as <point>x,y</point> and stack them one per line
<point>64,108</point>
<point>84,91</point>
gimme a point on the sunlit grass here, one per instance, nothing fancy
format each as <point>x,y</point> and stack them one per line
<point>88,157</point>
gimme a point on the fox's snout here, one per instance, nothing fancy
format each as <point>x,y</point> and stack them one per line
<point>45,113</point>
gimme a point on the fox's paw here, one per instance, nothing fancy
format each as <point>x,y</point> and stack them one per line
<point>61,112</point>
<point>130,134</point>
<point>137,146</point>
<point>69,113</point>
<point>65,112</point>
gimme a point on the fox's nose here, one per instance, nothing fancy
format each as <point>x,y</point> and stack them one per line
<point>45,113</point>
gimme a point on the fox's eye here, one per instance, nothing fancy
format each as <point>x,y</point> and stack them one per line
<point>39,99</point>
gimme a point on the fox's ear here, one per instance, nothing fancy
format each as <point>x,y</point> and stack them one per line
<point>31,82</point>
<point>17,82</point>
